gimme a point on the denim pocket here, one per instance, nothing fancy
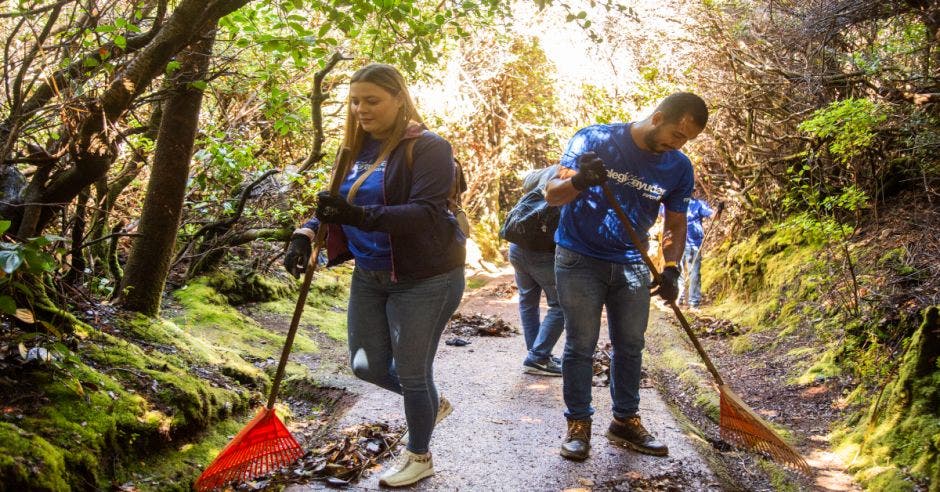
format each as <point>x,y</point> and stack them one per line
<point>566,258</point>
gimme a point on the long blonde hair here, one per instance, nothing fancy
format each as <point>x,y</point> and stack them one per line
<point>390,79</point>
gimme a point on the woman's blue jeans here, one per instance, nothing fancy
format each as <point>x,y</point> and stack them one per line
<point>585,286</point>
<point>535,273</point>
<point>394,329</point>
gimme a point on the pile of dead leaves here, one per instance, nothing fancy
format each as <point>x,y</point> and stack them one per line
<point>340,461</point>
<point>602,365</point>
<point>480,325</point>
<point>708,326</point>
<point>504,290</point>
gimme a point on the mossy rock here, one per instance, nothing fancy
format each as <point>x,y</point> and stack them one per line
<point>241,287</point>
<point>29,462</point>
<point>897,441</point>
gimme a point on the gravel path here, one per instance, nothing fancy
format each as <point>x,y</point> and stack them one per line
<point>507,426</point>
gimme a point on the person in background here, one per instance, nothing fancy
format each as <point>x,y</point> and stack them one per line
<point>597,266</point>
<point>690,286</point>
<point>535,274</point>
<point>392,218</point>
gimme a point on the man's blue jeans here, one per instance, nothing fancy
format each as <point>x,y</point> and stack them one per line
<point>394,329</point>
<point>585,286</point>
<point>535,273</point>
<point>691,271</point>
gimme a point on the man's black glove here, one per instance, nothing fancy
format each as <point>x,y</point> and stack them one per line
<point>668,285</point>
<point>333,209</point>
<point>591,172</point>
<point>297,255</point>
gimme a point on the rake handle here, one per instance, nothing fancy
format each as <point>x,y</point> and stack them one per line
<point>635,238</point>
<point>339,171</point>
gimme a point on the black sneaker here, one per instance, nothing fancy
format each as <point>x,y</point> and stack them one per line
<point>546,368</point>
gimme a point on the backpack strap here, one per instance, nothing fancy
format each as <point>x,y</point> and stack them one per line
<point>460,183</point>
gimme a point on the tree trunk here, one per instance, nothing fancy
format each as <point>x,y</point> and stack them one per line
<point>149,261</point>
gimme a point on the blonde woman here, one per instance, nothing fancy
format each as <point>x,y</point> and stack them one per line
<point>391,216</point>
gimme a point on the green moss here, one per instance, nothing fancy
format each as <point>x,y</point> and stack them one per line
<point>899,439</point>
<point>175,468</point>
<point>897,259</point>
<point>710,404</point>
<point>207,315</point>
<point>240,287</point>
<point>778,477</point>
<point>148,401</point>
<point>741,344</point>
<point>325,309</point>
<point>29,462</point>
<point>824,367</point>
<point>475,282</point>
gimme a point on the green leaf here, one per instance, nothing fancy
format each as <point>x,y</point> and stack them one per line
<point>120,41</point>
<point>7,305</point>
<point>4,226</point>
<point>172,67</point>
<point>199,84</point>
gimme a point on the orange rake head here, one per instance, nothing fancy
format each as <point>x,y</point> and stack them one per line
<point>264,445</point>
<point>740,425</point>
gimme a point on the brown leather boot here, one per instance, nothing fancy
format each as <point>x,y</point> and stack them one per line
<point>577,445</point>
<point>631,433</point>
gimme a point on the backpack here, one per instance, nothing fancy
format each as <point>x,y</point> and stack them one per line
<point>454,204</point>
<point>532,222</point>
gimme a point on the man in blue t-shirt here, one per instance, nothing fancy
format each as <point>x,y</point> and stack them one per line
<point>692,258</point>
<point>596,264</point>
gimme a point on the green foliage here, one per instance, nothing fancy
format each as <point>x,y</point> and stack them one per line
<point>849,126</point>
<point>602,106</point>
<point>21,265</point>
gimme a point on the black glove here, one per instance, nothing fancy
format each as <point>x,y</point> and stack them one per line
<point>333,209</point>
<point>591,172</point>
<point>297,255</point>
<point>668,285</point>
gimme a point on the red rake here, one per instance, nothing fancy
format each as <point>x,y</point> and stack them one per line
<point>265,445</point>
<point>738,423</point>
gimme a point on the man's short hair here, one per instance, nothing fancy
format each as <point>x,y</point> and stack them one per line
<point>679,104</point>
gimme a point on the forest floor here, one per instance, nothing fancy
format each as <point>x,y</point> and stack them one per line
<point>506,428</point>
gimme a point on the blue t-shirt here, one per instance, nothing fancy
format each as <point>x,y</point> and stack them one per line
<point>640,181</point>
<point>698,210</point>
<point>372,250</point>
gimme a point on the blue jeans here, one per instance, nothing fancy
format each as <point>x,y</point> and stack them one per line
<point>394,329</point>
<point>535,273</point>
<point>585,286</point>
<point>691,272</point>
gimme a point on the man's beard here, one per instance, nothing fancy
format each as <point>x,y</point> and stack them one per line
<point>651,143</point>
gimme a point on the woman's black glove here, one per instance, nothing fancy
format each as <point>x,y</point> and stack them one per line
<point>668,285</point>
<point>297,255</point>
<point>591,172</point>
<point>333,209</point>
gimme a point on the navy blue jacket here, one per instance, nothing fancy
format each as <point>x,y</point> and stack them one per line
<point>423,233</point>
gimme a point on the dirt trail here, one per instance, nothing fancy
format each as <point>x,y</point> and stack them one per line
<point>506,427</point>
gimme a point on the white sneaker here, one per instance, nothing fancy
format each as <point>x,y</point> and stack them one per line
<point>409,469</point>
<point>444,408</point>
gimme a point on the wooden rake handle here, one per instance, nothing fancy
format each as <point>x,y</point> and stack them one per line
<point>635,238</point>
<point>339,172</point>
